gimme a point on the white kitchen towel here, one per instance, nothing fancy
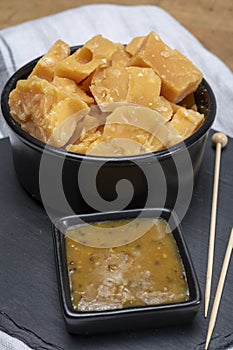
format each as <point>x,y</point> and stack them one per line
<point>9,343</point>
<point>22,43</point>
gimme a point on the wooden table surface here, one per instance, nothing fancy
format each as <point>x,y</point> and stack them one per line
<point>210,21</point>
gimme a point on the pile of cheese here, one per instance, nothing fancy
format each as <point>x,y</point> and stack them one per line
<point>108,99</point>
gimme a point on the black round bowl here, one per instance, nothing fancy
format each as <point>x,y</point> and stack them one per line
<point>159,179</point>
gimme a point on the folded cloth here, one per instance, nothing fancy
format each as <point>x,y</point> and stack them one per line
<point>9,343</point>
<point>26,41</point>
<point>22,43</point>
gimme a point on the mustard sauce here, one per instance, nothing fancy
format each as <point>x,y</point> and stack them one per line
<point>146,271</point>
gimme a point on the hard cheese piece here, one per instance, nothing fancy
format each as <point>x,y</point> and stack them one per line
<point>85,127</point>
<point>138,116</point>
<point>40,108</point>
<point>179,76</point>
<point>109,87</point>
<point>85,143</point>
<point>86,83</point>
<point>144,86</point>
<point>69,86</point>
<point>118,147</point>
<point>96,52</point>
<point>112,86</point>
<point>120,58</point>
<point>139,124</point>
<point>185,122</point>
<point>189,102</point>
<point>134,45</point>
<point>164,107</point>
<point>45,67</point>
<point>63,119</point>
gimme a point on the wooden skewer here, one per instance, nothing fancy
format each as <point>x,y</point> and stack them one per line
<point>220,140</point>
<point>218,295</point>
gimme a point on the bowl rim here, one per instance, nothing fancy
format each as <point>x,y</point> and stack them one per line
<point>62,275</point>
<point>26,138</point>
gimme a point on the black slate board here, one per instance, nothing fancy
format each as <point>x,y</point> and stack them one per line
<point>29,303</point>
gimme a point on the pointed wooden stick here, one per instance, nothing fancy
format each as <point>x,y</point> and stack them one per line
<point>218,295</point>
<point>220,140</point>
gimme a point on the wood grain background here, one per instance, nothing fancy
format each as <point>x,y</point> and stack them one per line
<point>210,21</point>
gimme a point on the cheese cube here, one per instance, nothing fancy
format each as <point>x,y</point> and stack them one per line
<point>45,67</point>
<point>144,86</point>
<point>186,121</point>
<point>96,52</point>
<point>179,76</point>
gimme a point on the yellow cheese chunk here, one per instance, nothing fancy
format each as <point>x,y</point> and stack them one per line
<point>85,143</point>
<point>86,83</point>
<point>144,86</point>
<point>134,45</point>
<point>138,116</point>
<point>189,102</point>
<point>85,127</point>
<point>179,76</point>
<point>139,124</point>
<point>164,107</point>
<point>109,86</point>
<point>45,67</point>
<point>120,58</point>
<point>40,108</point>
<point>186,121</point>
<point>112,86</point>
<point>69,86</point>
<point>96,112</point>
<point>117,147</point>
<point>33,99</point>
<point>63,120</point>
<point>90,124</point>
<point>95,53</point>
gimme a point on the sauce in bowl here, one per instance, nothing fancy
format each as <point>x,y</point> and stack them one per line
<point>146,271</point>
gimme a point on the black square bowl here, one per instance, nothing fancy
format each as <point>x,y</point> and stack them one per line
<point>125,318</point>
